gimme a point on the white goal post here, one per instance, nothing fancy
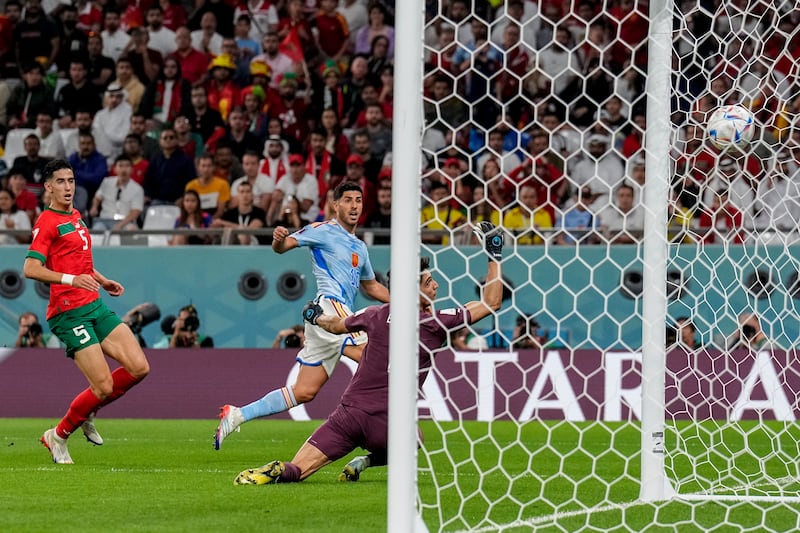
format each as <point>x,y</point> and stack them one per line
<point>644,399</point>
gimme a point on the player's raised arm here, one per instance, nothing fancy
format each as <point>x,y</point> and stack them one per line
<point>282,241</point>
<point>492,297</point>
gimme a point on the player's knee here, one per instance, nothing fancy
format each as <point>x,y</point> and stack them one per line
<point>141,370</point>
<point>103,390</point>
<point>304,393</point>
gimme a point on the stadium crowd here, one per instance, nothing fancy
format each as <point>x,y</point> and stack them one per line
<point>247,113</point>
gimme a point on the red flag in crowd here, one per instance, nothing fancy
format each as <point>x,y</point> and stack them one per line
<point>291,46</point>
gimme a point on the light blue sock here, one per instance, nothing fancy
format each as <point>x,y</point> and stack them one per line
<point>277,401</point>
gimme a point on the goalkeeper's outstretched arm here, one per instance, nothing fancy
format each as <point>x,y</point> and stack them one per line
<point>312,313</point>
<point>492,295</point>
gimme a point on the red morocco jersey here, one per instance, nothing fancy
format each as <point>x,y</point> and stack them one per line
<point>61,241</point>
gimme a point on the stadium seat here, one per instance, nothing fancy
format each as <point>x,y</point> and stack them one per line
<point>160,217</point>
<point>14,144</point>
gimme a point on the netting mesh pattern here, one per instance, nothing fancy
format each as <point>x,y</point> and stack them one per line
<point>535,120</point>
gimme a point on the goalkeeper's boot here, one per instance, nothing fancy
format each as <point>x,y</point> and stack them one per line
<point>230,418</point>
<point>57,446</point>
<point>90,432</point>
<point>352,470</point>
<point>269,473</point>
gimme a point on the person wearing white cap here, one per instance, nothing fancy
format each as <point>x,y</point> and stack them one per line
<point>110,125</point>
<point>777,205</point>
<point>601,169</point>
<point>728,176</point>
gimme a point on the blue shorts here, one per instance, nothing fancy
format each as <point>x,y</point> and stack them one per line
<point>348,428</point>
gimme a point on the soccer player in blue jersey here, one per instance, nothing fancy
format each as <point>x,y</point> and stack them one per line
<point>362,418</point>
<point>341,264</point>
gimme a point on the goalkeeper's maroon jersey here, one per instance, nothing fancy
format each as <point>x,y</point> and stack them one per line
<point>61,241</point>
<point>369,388</point>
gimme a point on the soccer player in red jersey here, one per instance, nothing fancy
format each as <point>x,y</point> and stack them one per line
<point>361,419</point>
<point>61,255</point>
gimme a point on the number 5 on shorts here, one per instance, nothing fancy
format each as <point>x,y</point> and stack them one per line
<point>82,334</point>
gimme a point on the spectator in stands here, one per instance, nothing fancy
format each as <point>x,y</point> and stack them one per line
<point>134,89</point>
<point>444,111</point>
<point>223,12</point>
<point>52,146</point>
<point>90,169</point>
<point>214,193</point>
<point>223,93</point>
<point>294,337</point>
<point>380,132</point>
<point>138,126</point>
<point>439,214</point>
<point>101,68</point>
<point>241,76</point>
<point>30,97</point>
<point>577,223</point>
<point>325,166</point>
<point>194,63</point>
<point>241,32</point>
<point>253,19</point>
<point>161,38</point>
<point>335,141</point>
<point>175,15</point>
<point>298,184</point>
<point>145,61</point>
<point>32,164</point>
<point>11,218</point>
<point>279,63</point>
<point>206,39</point>
<point>276,160</point>
<point>528,334</point>
<point>244,215</point>
<point>255,119</point>
<point>168,97</point>
<point>132,148</point>
<point>35,36</point>
<point>191,217</point>
<point>292,112</point>
<point>494,150</point>
<point>601,169</point>
<point>25,200</point>
<point>110,123</point>
<point>78,93</point>
<point>295,21</point>
<point>623,221</point>
<point>777,204</point>
<point>114,39</point>
<point>686,334</point>
<point>331,36</point>
<point>377,27</point>
<point>529,222</point>
<point>235,135</point>
<point>369,95</point>
<point>261,185</point>
<point>188,141</point>
<point>362,147</point>
<point>169,171</point>
<point>720,221</point>
<point>226,165</point>
<point>119,201</point>
<point>329,94</point>
<point>355,14</point>
<point>750,335</point>
<point>727,176</point>
<point>381,216</point>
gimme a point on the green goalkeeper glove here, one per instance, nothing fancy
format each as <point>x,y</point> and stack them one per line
<point>311,312</point>
<point>492,238</point>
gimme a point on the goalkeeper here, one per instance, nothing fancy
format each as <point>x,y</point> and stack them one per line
<point>361,418</point>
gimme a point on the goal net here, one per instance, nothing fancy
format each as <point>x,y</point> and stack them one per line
<point>641,371</point>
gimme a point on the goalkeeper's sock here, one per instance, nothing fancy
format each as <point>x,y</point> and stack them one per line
<point>79,410</point>
<point>291,473</point>
<point>277,401</point>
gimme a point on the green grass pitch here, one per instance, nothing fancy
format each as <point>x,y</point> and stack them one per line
<point>164,475</point>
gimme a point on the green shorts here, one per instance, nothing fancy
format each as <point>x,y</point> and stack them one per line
<point>84,326</point>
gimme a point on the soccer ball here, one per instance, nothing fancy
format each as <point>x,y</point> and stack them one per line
<point>729,126</point>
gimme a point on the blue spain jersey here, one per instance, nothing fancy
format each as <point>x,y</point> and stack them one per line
<point>340,259</point>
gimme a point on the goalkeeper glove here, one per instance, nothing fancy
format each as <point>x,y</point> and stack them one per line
<point>492,238</point>
<point>311,312</point>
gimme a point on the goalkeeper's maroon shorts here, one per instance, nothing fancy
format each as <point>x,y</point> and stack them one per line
<point>348,428</point>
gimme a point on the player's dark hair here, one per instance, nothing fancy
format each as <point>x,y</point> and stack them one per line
<point>424,264</point>
<point>344,187</point>
<point>54,166</point>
